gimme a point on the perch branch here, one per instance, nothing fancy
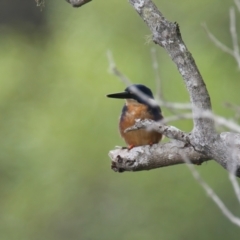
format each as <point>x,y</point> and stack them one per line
<point>155,156</point>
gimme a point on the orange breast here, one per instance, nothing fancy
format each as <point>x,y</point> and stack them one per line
<point>142,136</point>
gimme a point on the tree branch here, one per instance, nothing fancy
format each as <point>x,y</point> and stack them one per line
<point>169,131</point>
<point>78,3</point>
<point>155,156</point>
<point>150,157</point>
<point>203,143</point>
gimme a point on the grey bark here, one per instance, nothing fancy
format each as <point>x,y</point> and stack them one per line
<point>78,3</point>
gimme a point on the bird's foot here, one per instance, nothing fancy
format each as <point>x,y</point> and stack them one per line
<point>129,147</point>
<point>150,144</point>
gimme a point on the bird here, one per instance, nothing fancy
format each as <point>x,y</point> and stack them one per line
<point>140,104</point>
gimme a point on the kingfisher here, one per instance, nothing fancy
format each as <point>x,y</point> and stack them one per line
<point>140,104</point>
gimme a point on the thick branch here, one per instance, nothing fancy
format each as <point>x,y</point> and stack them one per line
<point>155,156</point>
<point>78,3</point>
<point>167,35</point>
<point>225,150</point>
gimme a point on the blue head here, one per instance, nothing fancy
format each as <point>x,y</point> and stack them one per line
<point>137,92</point>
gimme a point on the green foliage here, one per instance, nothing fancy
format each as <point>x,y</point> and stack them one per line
<point>57,128</point>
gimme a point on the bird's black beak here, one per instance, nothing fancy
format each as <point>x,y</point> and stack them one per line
<point>121,95</point>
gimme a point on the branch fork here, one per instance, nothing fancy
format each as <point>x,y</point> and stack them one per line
<point>203,138</point>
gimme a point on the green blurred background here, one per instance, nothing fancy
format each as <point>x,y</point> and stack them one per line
<point>57,126</point>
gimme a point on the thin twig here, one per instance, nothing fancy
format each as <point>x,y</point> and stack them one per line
<point>234,36</point>
<point>237,2</point>
<point>220,45</point>
<point>175,105</point>
<point>207,114</point>
<point>233,32</point>
<point>212,194</point>
<point>114,70</point>
<point>235,185</point>
<point>218,119</point>
<point>235,108</point>
<point>155,65</point>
